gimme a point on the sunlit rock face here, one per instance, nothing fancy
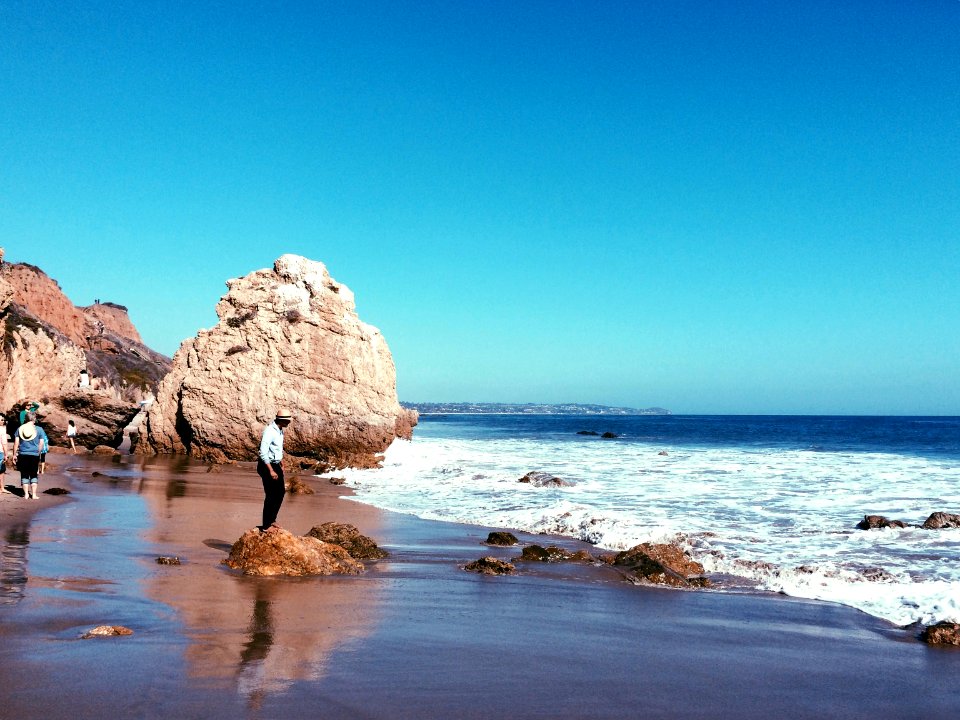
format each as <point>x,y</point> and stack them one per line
<point>288,337</point>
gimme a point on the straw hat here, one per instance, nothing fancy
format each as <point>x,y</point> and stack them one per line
<point>27,431</point>
<point>284,414</point>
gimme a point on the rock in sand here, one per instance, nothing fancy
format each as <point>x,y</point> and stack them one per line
<point>279,552</point>
<point>360,547</point>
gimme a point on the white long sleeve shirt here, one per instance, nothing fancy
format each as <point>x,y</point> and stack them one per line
<point>271,446</point>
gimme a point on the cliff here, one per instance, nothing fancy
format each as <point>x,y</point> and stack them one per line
<point>287,336</point>
<point>47,341</point>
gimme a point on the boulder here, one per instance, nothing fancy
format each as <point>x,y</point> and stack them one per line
<point>287,336</point>
<point>99,416</point>
<point>941,521</point>
<point>593,433</point>
<point>279,552</point>
<point>105,450</point>
<point>538,553</point>
<point>875,522</point>
<point>56,491</point>
<point>165,560</point>
<point>502,538</point>
<point>661,564</point>
<point>609,435</point>
<point>542,479</point>
<point>296,486</point>
<point>491,566</point>
<point>942,633</point>
<point>360,547</point>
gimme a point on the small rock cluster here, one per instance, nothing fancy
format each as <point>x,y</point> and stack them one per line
<point>936,521</point>
<point>542,479</point>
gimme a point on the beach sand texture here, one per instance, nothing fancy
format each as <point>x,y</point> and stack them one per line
<point>414,637</point>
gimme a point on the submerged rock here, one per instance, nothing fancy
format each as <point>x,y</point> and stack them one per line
<point>56,491</point>
<point>502,538</point>
<point>661,565</point>
<point>609,435</point>
<point>279,552</point>
<point>165,560</point>
<point>491,566</point>
<point>107,631</point>
<point>542,479</point>
<point>941,521</point>
<point>592,433</point>
<point>942,633</point>
<point>360,547</point>
<point>875,522</point>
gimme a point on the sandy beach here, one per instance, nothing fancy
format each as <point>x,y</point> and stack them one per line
<point>413,637</point>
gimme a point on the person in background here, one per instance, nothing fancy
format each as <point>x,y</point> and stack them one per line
<point>71,434</point>
<point>3,454</point>
<point>27,446</point>
<point>43,452</point>
<point>270,468</point>
<point>28,407</point>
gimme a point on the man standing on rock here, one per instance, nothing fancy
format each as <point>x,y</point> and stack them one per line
<point>270,467</point>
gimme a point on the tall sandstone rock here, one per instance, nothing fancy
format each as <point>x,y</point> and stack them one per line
<point>289,336</point>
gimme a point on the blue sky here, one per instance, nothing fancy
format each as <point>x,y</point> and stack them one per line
<point>716,207</point>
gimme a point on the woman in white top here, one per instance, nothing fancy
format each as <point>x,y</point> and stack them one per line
<point>71,434</point>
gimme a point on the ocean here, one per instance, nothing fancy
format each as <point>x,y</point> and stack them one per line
<point>765,503</point>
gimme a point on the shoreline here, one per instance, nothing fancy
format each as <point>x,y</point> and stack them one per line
<point>15,510</point>
<point>415,635</point>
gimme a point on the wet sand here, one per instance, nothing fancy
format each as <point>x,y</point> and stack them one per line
<point>414,637</point>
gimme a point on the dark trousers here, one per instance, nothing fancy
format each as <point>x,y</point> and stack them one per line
<point>273,491</point>
<point>29,466</point>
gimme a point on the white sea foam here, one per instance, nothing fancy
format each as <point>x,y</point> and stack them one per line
<point>777,520</point>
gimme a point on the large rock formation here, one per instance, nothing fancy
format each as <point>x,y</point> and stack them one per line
<point>288,336</point>
<point>47,341</point>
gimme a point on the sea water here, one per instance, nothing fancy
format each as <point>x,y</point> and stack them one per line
<point>764,503</point>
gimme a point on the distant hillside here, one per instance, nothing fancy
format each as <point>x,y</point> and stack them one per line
<point>429,408</point>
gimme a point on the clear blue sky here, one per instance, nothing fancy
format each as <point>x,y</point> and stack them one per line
<point>717,207</point>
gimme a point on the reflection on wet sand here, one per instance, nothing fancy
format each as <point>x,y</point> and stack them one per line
<point>259,634</point>
<point>13,564</point>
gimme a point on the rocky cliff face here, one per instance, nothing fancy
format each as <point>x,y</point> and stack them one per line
<point>36,361</point>
<point>288,336</point>
<point>47,341</point>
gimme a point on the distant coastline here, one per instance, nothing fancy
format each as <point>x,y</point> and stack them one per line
<point>467,408</point>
